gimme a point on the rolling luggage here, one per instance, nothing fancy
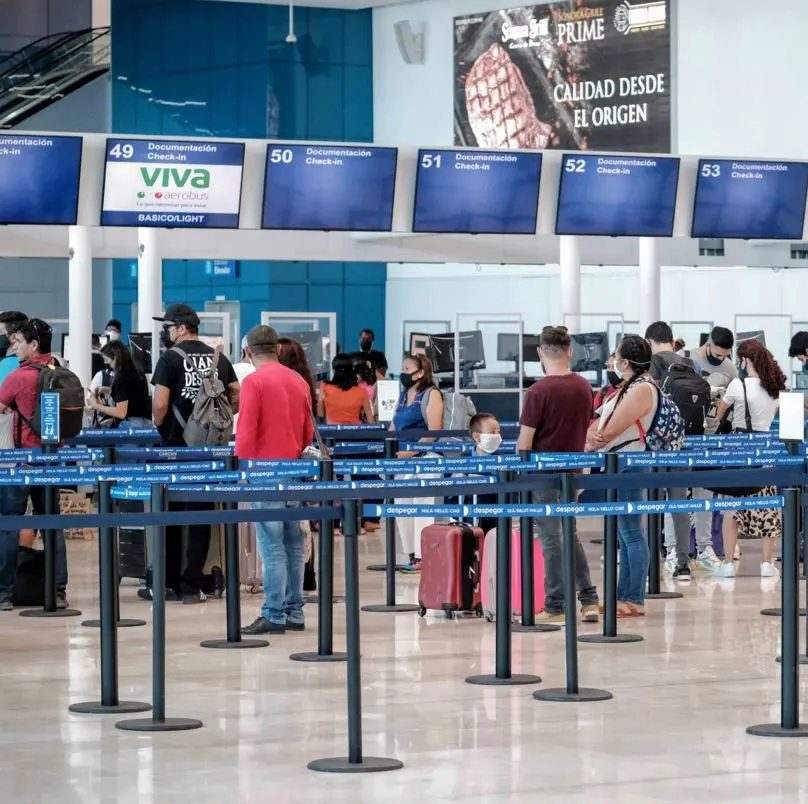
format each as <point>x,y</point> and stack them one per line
<point>489,575</point>
<point>450,569</point>
<point>250,566</point>
<point>132,551</point>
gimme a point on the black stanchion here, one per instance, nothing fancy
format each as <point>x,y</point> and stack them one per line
<point>158,721</point>
<point>390,606</point>
<point>112,560</point>
<point>325,584</point>
<point>654,545</point>
<point>108,580</point>
<point>789,725</point>
<point>355,762</point>
<point>390,450</point>
<point>503,675</point>
<point>232,584</point>
<point>610,634</point>
<point>528,625</point>
<point>573,692</point>
<point>49,540</point>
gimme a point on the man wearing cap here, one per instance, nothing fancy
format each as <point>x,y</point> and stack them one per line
<point>177,379</point>
<point>275,424</point>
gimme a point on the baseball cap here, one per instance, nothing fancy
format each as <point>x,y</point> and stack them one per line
<point>799,344</point>
<point>179,314</point>
<point>261,336</point>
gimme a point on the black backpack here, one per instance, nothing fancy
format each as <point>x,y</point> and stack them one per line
<point>59,380</point>
<point>689,391</point>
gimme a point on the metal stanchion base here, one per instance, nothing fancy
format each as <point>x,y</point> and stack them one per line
<point>399,607</point>
<point>319,657</point>
<point>57,613</point>
<point>169,724</point>
<point>121,623</point>
<point>538,628</point>
<point>663,595</point>
<point>600,639</point>
<point>344,765</point>
<point>223,644</point>
<point>314,600</point>
<point>776,730</point>
<point>778,612</point>
<point>584,694</point>
<point>802,659</point>
<point>596,541</point>
<point>517,679</point>
<point>383,567</point>
<point>98,708</point>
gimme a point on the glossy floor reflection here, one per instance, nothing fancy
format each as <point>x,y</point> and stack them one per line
<point>674,731</point>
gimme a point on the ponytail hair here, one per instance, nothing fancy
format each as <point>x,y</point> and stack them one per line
<point>637,351</point>
<point>772,379</point>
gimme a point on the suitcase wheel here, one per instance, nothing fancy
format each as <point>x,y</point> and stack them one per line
<point>449,611</point>
<point>478,610</point>
<point>489,618</point>
<point>421,609</point>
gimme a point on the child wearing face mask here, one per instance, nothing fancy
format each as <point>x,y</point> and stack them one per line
<point>485,432</point>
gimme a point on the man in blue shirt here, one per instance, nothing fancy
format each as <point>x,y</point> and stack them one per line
<point>10,322</point>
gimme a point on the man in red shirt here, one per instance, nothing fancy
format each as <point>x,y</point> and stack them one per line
<point>275,423</point>
<point>18,395</point>
<point>555,418</point>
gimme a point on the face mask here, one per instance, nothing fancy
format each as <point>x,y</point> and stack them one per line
<point>489,442</point>
<point>165,338</point>
<point>743,373</point>
<point>365,345</point>
<point>408,380</point>
<point>614,378</point>
<point>712,359</point>
<point>4,344</point>
<point>112,335</point>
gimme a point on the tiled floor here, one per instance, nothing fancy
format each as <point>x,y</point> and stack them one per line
<point>673,732</point>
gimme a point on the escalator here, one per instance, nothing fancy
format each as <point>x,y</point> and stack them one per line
<point>48,69</point>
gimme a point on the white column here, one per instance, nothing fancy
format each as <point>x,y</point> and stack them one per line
<point>650,283</point>
<point>80,303</point>
<point>571,282</point>
<point>149,278</point>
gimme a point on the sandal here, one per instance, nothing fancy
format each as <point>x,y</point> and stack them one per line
<point>626,609</point>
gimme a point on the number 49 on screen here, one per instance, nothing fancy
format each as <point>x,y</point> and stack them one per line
<point>119,151</point>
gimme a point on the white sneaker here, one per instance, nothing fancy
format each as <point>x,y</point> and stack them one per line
<point>768,570</point>
<point>707,560</point>
<point>725,571</point>
<point>737,556</point>
<point>670,562</point>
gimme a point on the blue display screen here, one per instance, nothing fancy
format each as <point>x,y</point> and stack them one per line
<point>476,192</point>
<point>629,196</point>
<point>747,199</point>
<point>330,188</point>
<point>39,179</point>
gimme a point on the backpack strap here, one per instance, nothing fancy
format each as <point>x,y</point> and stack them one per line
<point>747,412</point>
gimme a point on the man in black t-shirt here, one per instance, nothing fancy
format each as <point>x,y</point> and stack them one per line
<point>366,353</point>
<point>177,381</point>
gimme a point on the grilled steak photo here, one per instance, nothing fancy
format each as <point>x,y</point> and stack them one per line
<point>500,109</point>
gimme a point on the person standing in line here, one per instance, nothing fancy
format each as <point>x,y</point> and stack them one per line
<point>129,392</point>
<point>292,355</point>
<point>18,394</point>
<point>275,424</point>
<point>177,379</point>
<point>341,400</point>
<point>555,417</point>
<point>113,330</point>
<point>367,340</point>
<point>677,526</point>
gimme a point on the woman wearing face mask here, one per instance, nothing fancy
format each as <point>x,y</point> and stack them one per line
<point>624,420</point>
<point>131,405</point>
<point>614,382</point>
<point>420,407</point>
<point>752,401</point>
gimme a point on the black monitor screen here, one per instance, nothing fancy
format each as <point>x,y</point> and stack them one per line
<point>441,351</point>
<point>140,345</point>
<point>508,347</point>
<point>590,351</point>
<point>312,343</point>
<point>754,335</point>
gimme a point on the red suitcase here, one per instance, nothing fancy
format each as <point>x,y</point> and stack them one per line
<point>450,569</point>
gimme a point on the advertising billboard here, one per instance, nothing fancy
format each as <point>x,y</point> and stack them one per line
<point>590,75</point>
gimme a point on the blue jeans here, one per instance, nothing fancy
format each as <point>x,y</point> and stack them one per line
<point>282,549</point>
<point>634,554</point>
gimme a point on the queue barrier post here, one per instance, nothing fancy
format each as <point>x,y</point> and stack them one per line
<point>528,624</point>
<point>108,622</point>
<point>325,584</point>
<point>158,721</point>
<point>49,540</point>
<point>234,640</point>
<point>110,563</point>
<point>789,725</point>
<point>390,566</point>
<point>355,762</point>
<point>655,548</point>
<point>610,635</point>
<point>572,692</point>
<point>502,671</point>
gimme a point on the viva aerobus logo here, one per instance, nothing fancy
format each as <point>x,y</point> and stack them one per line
<point>176,184</point>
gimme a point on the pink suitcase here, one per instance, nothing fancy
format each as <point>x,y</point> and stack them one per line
<point>489,574</point>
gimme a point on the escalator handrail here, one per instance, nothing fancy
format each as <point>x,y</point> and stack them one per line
<point>20,56</point>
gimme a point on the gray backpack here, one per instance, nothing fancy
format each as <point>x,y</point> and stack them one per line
<point>211,421</point>
<point>457,410</point>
